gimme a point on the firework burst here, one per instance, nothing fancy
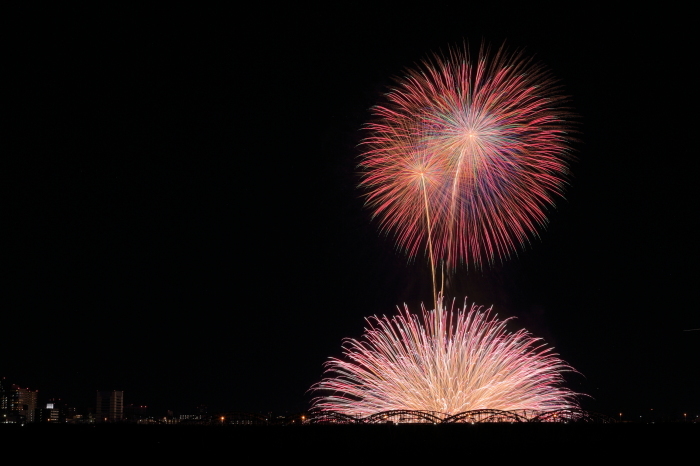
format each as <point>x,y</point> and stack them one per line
<point>445,361</point>
<point>465,155</point>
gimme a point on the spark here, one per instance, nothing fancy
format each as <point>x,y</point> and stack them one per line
<point>467,153</point>
<point>448,361</point>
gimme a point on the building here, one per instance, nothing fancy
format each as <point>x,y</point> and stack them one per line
<point>135,413</point>
<point>24,402</point>
<point>110,406</point>
<point>54,412</point>
<point>4,400</point>
<point>17,405</point>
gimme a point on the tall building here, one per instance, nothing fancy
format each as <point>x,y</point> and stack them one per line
<point>4,400</point>
<point>26,402</point>
<point>110,406</point>
<point>17,404</point>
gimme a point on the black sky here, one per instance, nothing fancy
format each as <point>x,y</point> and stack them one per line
<point>182,219</point>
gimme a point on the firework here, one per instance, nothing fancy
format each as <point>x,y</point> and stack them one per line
<point>465,156</point>
<point>445,361</point>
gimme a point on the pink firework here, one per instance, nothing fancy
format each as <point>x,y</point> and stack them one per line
<point>447,362</point>
<point>465,156</point>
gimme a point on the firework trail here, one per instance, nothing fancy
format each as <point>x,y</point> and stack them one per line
<point>463,159</point>
<point>465,156</point>
<point>446,361</point>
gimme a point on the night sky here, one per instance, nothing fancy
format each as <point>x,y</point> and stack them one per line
<point>182,219</point>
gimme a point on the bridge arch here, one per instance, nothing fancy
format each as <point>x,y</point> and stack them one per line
<point>405,416</point>
<point>479,416</point>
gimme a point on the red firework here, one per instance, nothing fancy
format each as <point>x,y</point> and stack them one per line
<point>466,154</point>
